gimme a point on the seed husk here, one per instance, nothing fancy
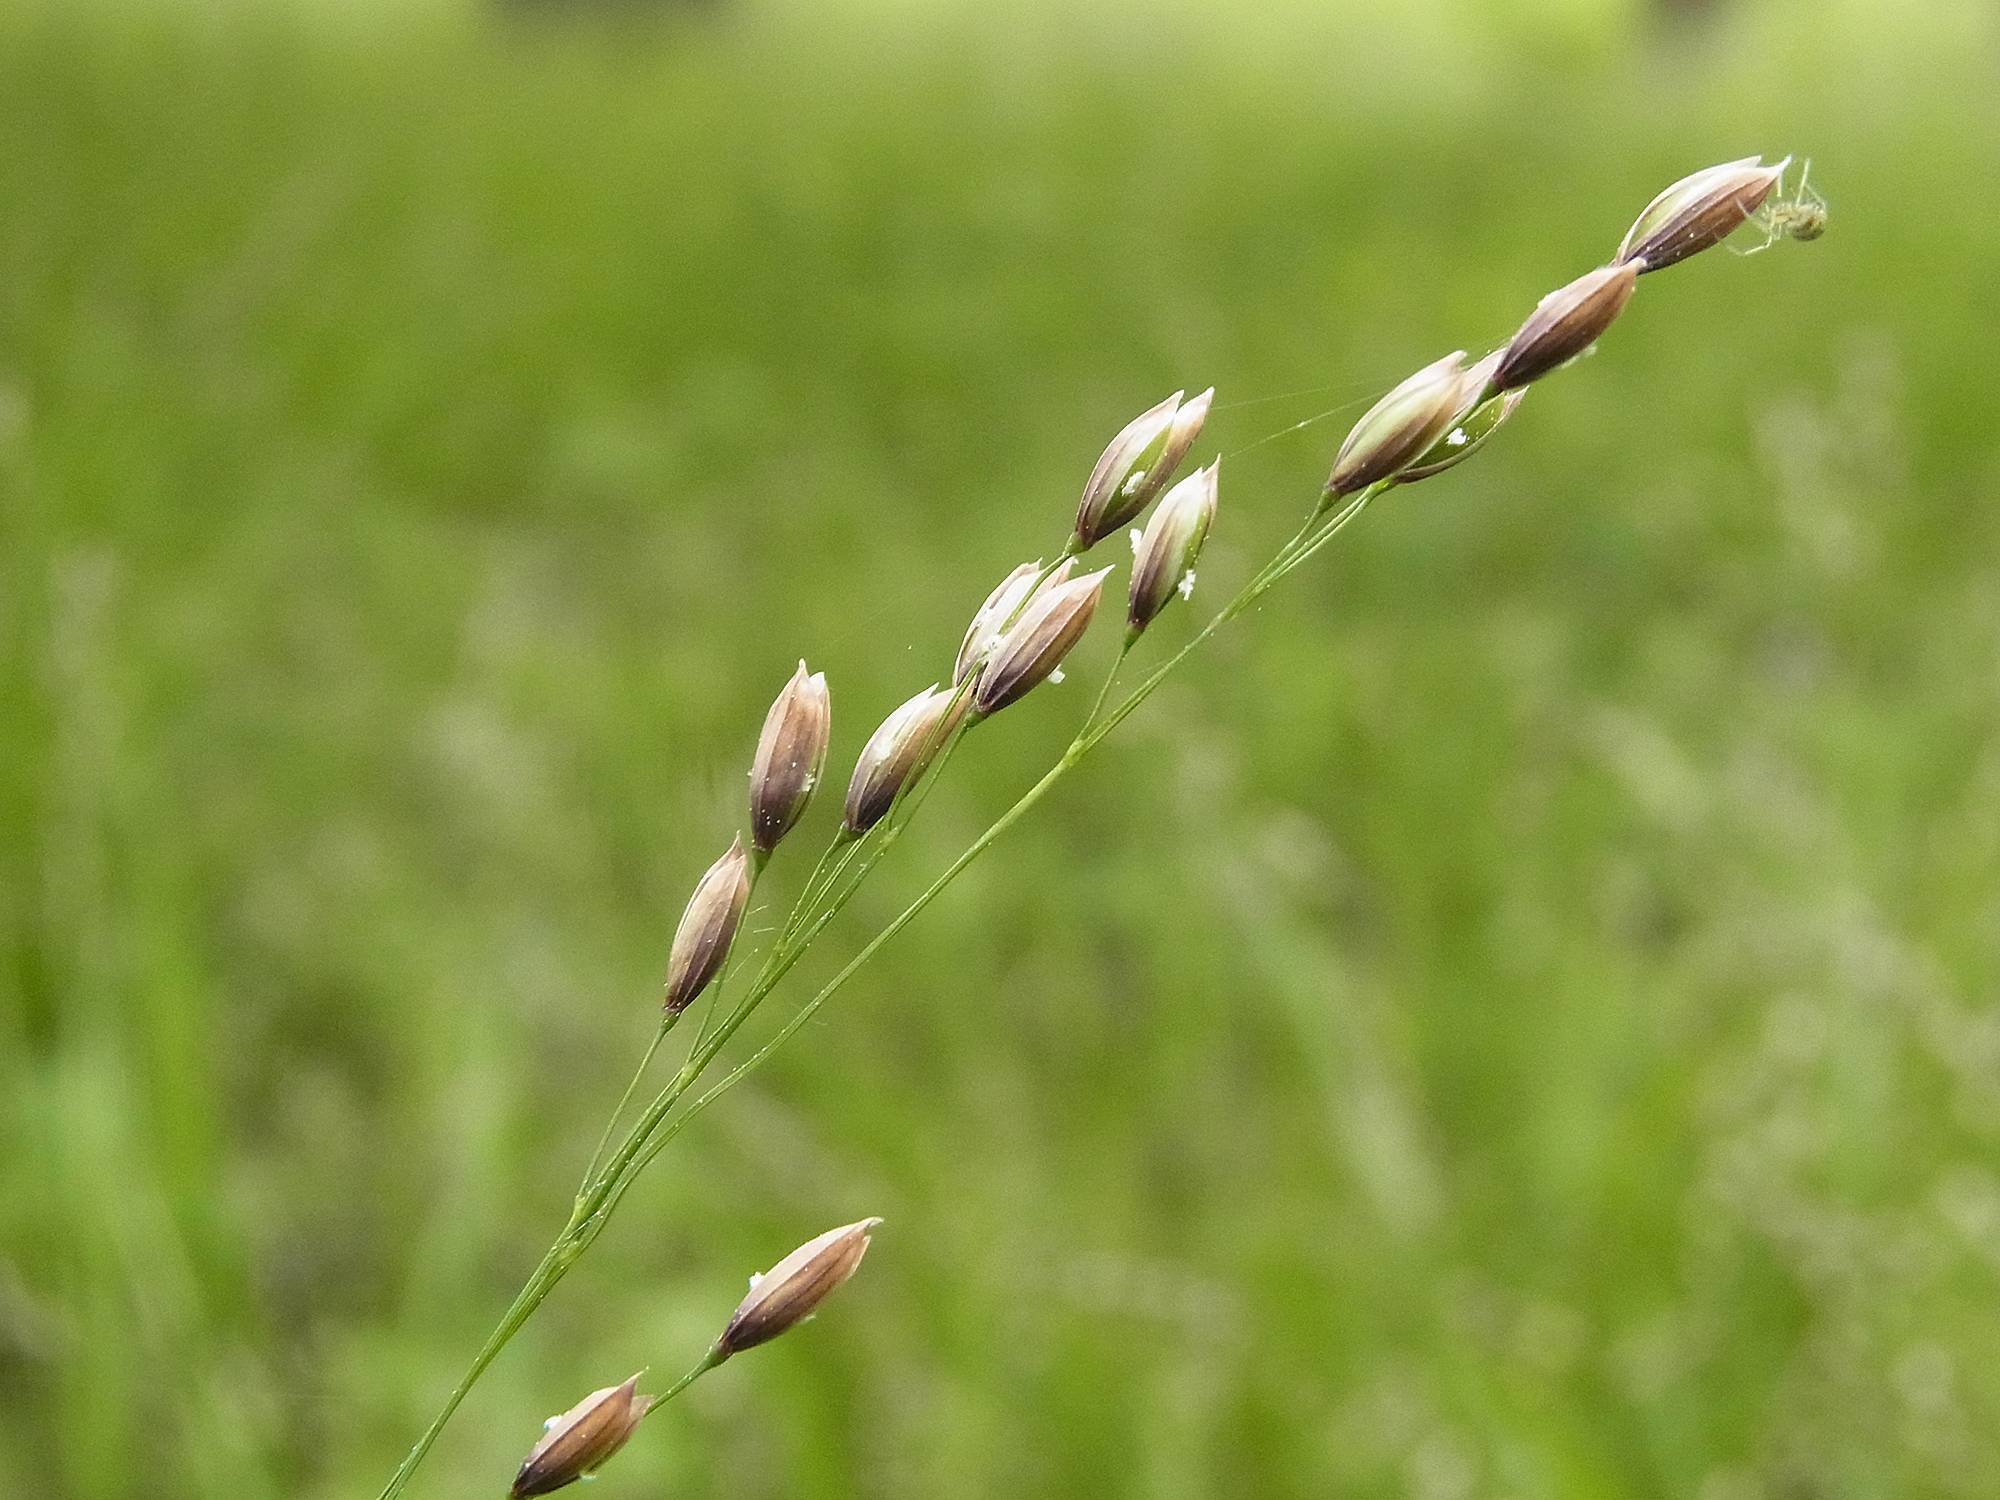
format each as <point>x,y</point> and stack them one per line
<point>897,753</point>
<point>791,752</point>
<point>790,1292</point>
<point>707,927</point>
<point>1036,643</point>
<point>1400,426</point>
<point>1564,324</point>
<point>1137,464</point>
<point>577,1443</point>
<point>1700,210</point>
<point>1002,607</point>
<point>1172,541</point>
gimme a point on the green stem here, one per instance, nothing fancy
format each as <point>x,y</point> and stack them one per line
<point>841,844</point>
<point>603,1195</point>
<point>652,1048</point>
<point>1316,533</point>
<point>591,1210</point>
<point>537,1286</point>
<point>702,1366</point>
<point>1111,677</point>
<point>903,918</point>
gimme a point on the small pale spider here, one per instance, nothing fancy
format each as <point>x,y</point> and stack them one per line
<point>1799,215</point>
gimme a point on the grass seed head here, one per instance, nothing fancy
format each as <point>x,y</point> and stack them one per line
<point>1002,607</point>
<point>897,753</point>
<point>1698,211</point>
<point>792,1290</point>
<point>1007,596</point>
<point>708,927</point>
<point>1400,426</point>
<point>1035,644</point>
<point>578,1442</point>
<point>1478,419</point>
<point>1171,542</point>
<point>1137,465</point>
<point>791,752</point>
<point>1564,324</point>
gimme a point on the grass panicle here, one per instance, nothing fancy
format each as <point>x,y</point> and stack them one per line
<point>1018,638</point>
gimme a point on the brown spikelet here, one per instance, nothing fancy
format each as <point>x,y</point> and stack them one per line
<point>1564,324</point>
<point>578,1442</point>
<point>707,927</point>
<point>790,1291</point>
<point>790,755</point>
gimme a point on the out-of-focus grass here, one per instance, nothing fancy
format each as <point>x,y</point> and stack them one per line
<point>1517,1021</point>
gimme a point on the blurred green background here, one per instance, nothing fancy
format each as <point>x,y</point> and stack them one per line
<point>1517,1019</point>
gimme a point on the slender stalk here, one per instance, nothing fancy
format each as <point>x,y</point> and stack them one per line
<point>652,1049</point>
<point>601,1199</point>
<point>711,1002</point>
<point>1316,533</point>
<point>806,920</point>
<point>701,1367</point>
<point>841,845</point>
<point>902,919</point>
<point>1111,678</point>
<point>806,923</point>
<point>537,1286</point>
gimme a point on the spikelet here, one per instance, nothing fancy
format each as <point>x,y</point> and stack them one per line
<point>1035,645</point>
<point>792,1290</point>
<point>897,753</point>
<point>1698,211</point>
<point>791,752</point>
<point>1001,608</point>
<point>1400,426</point>
<point>1137,465</point>
<point>1564,324</point>
<point>1163,562</point>
<point>578,1442</point>
<point>1477,421</point>
<point>707,928</point>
